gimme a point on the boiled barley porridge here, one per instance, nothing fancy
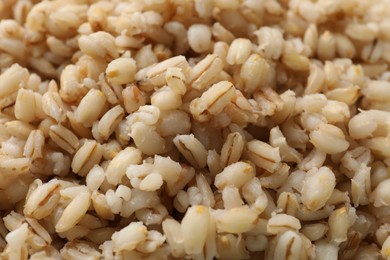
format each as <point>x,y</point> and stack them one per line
<point>194,129</point>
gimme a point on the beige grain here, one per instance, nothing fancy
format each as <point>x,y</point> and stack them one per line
<point>205,71</point>
<point>64,138</point>
<point>73,213</point>
<point>263,155</point>
<point>116,169</point>
<point>205,129</point>
<point>199,37</point>
<point>89,154</point>
<point>192,149</point>
<point>329,139</point>
<point>194,238</point>
<point>317,187</point>
<point>236,174</point>
<point>90,107</point>
<point>121,71</point>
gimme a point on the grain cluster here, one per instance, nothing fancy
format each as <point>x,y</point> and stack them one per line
<point>197,129</point>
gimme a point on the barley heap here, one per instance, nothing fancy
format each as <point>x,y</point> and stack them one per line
<point>200,129</point>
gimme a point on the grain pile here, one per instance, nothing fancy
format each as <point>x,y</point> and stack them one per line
<point>202,129</point>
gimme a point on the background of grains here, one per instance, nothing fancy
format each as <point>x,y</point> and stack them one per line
<point>165,129</point>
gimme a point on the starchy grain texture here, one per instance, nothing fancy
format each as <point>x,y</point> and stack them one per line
<point>198,129</point>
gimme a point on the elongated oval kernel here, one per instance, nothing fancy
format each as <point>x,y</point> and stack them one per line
<point>379,146</point>
<point>133,98</point>
<point>64,138</point>
<point>345,47</point>
<point>218,96</point>
<point>176,80</point>
<point>239,51</point>
<point>34,145</point>
<point>385,252</point>
<point>194,238</point>
<point>263,155</point>
<point>279,223</point>
<point>53,106</point>
<point>237,220</point>
<point>288,246</point>
<point>362,32</point>
<point>205,71</point>
<point>14,166</point>
<point>40,197</point>
<point>121,71</point>
<point>86,157</point>
<point>348,95</point>
<point>90,107</point>
<point>362,126</point>
<point>236,174</point>
<point>310,38</point>
<point>199,37</point>
<point>232,148</point>
<point>172,231</point>
<point>377,90</point>
<point>338,225</point>
<point>254,73</point>
<point>326,48</point>
<point>317,187</point>
<point>95,178</point>
<point>116,169</point>
<point>74,212</point>
<point>70,192</point>
<point>381,195</point>
<point>192,149</point>
<point>296,62</point>
<point>25,105</point>
<point>110,121</point>
<point>151,182</point>
<point>99,45</point>
<point>316,79</point>
<point>329,139</point>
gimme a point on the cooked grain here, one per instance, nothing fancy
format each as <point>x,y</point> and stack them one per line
<point>194,129</point>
